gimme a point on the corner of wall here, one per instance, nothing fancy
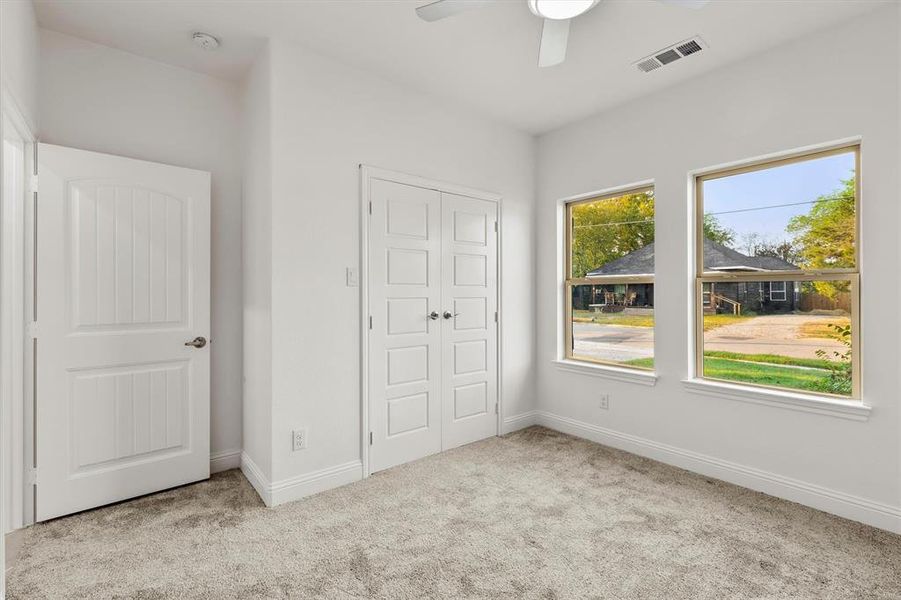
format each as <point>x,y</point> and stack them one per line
<point>256,460</point>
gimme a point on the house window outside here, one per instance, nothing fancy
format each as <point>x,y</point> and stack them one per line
<point>609,316</point>
<point>777,291</point>
<point>777,271</point>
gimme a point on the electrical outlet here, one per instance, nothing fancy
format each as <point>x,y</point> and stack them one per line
<point>605,402</point>
<point>299,440</point>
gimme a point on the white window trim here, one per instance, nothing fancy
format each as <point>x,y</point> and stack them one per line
<point>783,291</point>
<point>853,410</point>
<point>608,371</point>
<point>625,374</point>
<point>785,398</point>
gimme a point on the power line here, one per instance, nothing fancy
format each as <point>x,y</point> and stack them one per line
<point>742,210</point>
<point>613,223</point>
<point>724,212</point>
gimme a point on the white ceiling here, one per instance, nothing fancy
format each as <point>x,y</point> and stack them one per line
<point>483,59</point>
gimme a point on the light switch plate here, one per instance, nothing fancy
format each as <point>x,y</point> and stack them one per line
<point>353,277</point>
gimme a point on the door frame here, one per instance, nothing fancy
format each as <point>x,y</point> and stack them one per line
<point>17,365</point>
<point>367,174</point>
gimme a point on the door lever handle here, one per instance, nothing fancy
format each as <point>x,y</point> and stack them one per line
<point>198,342</point>
<point>449,315</point>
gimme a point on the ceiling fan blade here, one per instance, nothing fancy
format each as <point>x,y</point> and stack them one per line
<point>448,8</point>
<point>692,4</point>
<point>552,50</point>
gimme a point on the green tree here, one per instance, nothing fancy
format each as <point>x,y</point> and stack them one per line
<point>824,237</point>
<point>784,250</point>
<point>716,232</point>
<point>608,229</point>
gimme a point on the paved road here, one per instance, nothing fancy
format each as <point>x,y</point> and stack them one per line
<point>768,334</point>
<point>612,342</point>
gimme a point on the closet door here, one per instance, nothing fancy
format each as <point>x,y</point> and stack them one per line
<point>469,317</point>
<point>405,335</point>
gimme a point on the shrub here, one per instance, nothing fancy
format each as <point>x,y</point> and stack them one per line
<point>840,371</point>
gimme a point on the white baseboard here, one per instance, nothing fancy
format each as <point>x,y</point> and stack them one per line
<point>256,478</point>
<point>224,460</point>
<point>308,484</point>
<point>520,421</point>
<point>295,488</point>
<point>877,514</point>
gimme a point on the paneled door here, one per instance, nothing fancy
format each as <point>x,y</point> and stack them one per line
<point>432,325</point>
<point>469,302</point>
<point>405,336</point>
<point>122,328</point>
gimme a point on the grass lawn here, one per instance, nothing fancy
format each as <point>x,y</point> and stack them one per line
<point>714,321</point>
<point>773,359</point>
<point>587,316</point>
<point>823,328</point>
<point>761,369</point>
<point>814,380</point>
<point>646,363</point>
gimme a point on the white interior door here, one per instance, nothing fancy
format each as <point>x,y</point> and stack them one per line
<point>433,329</point>
<point>123,280</point>
<point>405,336</point>
<point>469,340</point>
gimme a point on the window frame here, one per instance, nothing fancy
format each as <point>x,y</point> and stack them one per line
<point>851,275</point>
<point>783,291</point>
<point>569,281</point>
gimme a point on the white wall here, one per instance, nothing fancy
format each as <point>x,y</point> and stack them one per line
<point>812,91</point>
<point>257,264</point>
<point>326,120</point>
<point>102,99</point>
<point>19,56</point>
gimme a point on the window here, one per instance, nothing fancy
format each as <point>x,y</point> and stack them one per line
<point>777,291</point>
<point>610,279</point>
<point>777,274</point>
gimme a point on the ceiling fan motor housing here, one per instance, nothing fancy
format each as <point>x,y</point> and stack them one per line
<point>560,9</point>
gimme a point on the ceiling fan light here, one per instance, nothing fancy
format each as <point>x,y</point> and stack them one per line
<point>560,9</point>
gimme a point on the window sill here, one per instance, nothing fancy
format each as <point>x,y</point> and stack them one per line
<point>843,409</point>
<point>607,372</point>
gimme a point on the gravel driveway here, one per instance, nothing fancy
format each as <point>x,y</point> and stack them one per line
<point>767,334</point>
<point>771,334</point>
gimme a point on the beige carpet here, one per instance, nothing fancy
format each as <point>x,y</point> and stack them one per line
<point>536,514</point>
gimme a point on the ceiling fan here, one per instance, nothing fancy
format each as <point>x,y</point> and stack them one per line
<point>556,14</point>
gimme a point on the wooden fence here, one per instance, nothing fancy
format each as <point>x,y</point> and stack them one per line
<point>842,301</point>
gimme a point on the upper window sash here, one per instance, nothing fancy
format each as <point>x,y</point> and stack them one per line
<point>568,265</point>
<point>763,165</point>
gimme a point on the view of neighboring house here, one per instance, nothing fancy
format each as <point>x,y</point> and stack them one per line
<point>722,297</point>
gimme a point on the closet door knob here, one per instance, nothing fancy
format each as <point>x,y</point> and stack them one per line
<point>434,315</point>
<point>449,315</point>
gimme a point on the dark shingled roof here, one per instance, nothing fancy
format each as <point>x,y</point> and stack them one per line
<point>716,258</point>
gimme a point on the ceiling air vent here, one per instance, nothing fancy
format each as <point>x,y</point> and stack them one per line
<point>671,54</point>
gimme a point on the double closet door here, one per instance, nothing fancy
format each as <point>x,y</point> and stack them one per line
<point>433,330</point>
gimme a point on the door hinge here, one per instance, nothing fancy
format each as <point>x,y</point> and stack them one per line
<point>370,208</point>
<point>33,184</point>
<point>31,476</point>
<point>495,226</point>
<point>370,438</point>
<point>496,409</point>
<point>495,316</point>
<point>31,330</point>
<point>370,321</point>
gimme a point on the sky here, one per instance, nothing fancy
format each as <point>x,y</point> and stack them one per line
<point>792,183</point>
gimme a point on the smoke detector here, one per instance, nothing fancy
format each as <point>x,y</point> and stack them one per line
<point>671,54</point>
<point>204,40</point>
